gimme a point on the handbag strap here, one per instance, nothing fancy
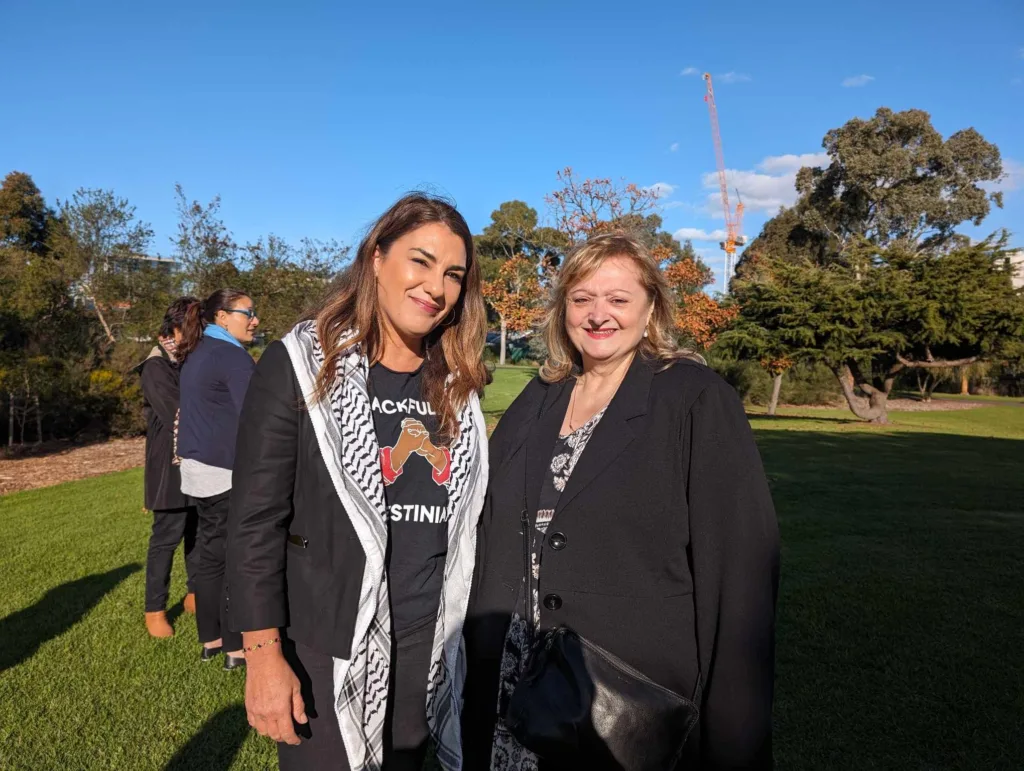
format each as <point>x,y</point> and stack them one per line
<point>524,521</point>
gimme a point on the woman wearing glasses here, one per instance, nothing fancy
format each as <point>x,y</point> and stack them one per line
<point>215,374</point>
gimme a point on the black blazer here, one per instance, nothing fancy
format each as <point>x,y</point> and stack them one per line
<point>670,557</point>
<point>159,377</point>
<point>293,558</point>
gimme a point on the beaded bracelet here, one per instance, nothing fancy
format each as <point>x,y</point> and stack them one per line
<point>264,644</point>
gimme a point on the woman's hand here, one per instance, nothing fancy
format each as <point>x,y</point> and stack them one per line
<point>413,435</point>
<point>272,694</point>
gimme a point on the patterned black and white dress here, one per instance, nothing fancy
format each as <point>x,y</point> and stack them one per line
<point>507,754</point>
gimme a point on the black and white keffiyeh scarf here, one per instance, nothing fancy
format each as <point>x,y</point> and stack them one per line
<point>344,429</point>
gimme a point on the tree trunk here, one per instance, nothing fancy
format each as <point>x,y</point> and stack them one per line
<point>39,422</point>
<point>103,320</point>
<point>873,408</point>
<point>24,412</point>
<point>925,386</point>
<point>965,385</point>
<point>776,387</point>
<point>504,339</point>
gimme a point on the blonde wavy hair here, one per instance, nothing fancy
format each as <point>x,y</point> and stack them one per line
<point>660,345</point>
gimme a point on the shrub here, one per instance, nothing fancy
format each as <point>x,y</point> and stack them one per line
<point>802,384</point>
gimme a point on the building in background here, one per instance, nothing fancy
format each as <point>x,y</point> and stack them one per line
<point>1016,260</point>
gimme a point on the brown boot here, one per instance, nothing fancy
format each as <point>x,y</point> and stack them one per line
<point>157,626</point>
<point>190,603</point>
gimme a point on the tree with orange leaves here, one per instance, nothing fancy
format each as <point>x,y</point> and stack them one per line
<point>586,207</point>
<point>699,318</point>
<point>516,296</point>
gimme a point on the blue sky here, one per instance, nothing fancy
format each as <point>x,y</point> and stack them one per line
<point>310,118</point>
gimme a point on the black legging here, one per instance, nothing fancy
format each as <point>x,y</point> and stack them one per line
<point>170,527</point>
<point>211,593</point>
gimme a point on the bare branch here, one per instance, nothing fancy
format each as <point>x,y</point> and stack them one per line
<point>937,363</point>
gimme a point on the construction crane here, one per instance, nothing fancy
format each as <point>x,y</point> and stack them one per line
<point>733,218</point>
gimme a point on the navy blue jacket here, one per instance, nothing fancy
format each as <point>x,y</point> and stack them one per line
<point>214,379</point>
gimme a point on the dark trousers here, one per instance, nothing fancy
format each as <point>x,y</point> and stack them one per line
<point>406,735</point>
<point>211,594</point>
<point>170,527</point>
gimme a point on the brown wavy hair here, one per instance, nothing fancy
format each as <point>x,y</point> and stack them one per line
<point>174,316</point>
<point>350,315</point>
<point>199,314</point>
<point>660,345</point>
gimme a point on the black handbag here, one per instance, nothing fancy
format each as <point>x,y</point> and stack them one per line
<point>580,706</point>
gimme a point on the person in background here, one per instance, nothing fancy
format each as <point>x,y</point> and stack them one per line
<point>650,532</point>
<point>174,518</point>
<point>362,463</point>
<point>215,372</point>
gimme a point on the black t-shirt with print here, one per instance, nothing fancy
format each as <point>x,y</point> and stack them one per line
<point>416,474</point>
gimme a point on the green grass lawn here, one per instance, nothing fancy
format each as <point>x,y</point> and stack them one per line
<point>508,382</point>
<point>900,631</point>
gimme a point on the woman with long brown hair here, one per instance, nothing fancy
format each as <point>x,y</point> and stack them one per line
<point>215,374</point>
<point>362,465</point>
<point>629,541</point>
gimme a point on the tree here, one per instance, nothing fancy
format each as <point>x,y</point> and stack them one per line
<point>285,282</point>
<point>907,312</point>
<point>782,238</point>
<point>867,272</point>
<point>24,216</point>
<point>513,234</point>
<point>749,336</point>
<point>98,236</point>
<point>204,247</point>
<point>44,336</point>
<point>587,207</point>
<point>516,296</point>
<point>699,318</point>
<point>30,278</point>
<point>893,181</point>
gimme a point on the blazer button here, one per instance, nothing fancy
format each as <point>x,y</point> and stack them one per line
<point>557,541</point>
<point>552,602</point>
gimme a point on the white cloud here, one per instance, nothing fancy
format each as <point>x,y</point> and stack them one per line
<point>660,189</point>
<point>766,189</point>
<point>699,234</point>
<point>1012,179</point>
<point>781,164</point>
<point>673,147</point>
<point>857,81</point>
<point>734,77</point>
<point>689,71</point>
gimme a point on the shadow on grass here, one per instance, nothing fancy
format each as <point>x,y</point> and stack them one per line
<point>175,611</point>
<point>216,744</point>
<point>808,415</point>
<point>901,566</point>
<point>22,632</point>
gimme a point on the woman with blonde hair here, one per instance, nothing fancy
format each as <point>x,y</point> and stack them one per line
<point>361,472</point>
<point>623,606</point>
